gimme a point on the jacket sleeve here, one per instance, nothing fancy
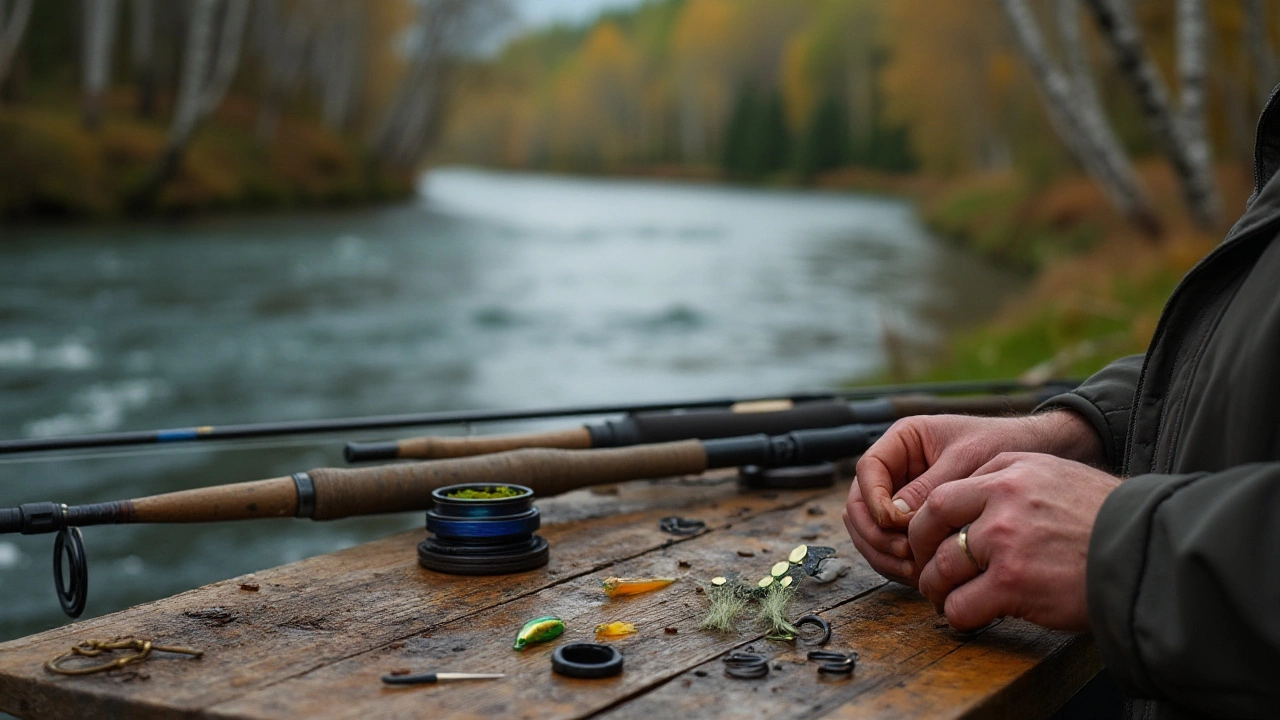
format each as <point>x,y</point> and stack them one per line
<point>1105,400</point>
<point>1184,589</point>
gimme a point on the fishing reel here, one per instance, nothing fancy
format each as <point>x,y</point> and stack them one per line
<point>70,565</point>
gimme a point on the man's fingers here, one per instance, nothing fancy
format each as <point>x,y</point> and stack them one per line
<point>976,603</point>
<point>891,542</point>
<point>875,483</point>
<point>950,568</point>
<point>914,494</point>
<point>947,509</point>
<point>897,569</point>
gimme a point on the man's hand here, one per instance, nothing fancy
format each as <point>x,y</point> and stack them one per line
<point>920,453</point>
<point>1030,516</point>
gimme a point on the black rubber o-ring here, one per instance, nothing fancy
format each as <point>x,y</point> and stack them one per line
<point>823,626</point>
<point>72,599</point>
<point>586,660</point>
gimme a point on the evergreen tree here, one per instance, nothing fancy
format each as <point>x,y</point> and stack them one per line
<point>735,153</point>
<point>825,145</point>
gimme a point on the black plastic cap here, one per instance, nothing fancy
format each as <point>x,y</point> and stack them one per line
<point>368,452</point>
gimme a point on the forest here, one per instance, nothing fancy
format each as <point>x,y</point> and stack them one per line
<point>112,108</point>
<point>1104,143</point>
<point>759,89</point>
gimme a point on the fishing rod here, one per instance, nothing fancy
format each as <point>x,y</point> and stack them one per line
<point>642,428</point>
<point>208,433</point>
<point>333,493</point>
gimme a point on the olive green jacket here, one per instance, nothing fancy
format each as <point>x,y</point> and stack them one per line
<point>1184,561</point>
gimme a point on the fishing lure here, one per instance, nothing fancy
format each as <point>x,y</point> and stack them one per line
<point>538,630</point>
<point>615,586</point>
<point>613,630</point>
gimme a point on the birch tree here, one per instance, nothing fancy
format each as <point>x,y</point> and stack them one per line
<point>12,27</point>
<point>206,75</point>
<point>1076,114</point>
<point>99,36</point>
<point>448,28</point>
<point>1185,144</point>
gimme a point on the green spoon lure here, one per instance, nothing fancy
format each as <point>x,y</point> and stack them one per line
<point>538,630</point>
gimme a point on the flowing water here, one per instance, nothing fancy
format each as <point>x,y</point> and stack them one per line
<point>489,290</point>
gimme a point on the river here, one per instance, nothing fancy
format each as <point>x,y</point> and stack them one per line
<point>488,290</point>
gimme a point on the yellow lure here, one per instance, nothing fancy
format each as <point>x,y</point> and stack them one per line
<point>614,586</point>
<point>614,630</point>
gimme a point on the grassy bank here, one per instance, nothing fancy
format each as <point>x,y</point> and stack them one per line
<point>1099,286</point>
<point>55,169</point>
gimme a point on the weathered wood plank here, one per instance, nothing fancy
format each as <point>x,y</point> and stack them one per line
<point>1012,670</point>
<point>482,642</point>
<point>318,611</point>
<point>912,666</point>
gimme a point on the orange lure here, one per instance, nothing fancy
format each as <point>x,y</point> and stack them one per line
<point>614,586</point>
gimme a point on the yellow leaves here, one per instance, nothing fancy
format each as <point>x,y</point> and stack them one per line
<point>799,91</point>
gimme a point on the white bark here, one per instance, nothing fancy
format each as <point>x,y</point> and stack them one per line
<point>195,71</point>
<point>1083,129</point>
<point>1193,65</point>
<point>99,36</point>
<point>1189,153</point>
<point>12,29</point>
<point>229,41</point>
<point>411,122</point>
<point>1076,57</point>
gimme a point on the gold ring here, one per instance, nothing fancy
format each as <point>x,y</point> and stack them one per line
<point>963,539</point>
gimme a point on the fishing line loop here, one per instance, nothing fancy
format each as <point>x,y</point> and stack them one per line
<point>74,591</point>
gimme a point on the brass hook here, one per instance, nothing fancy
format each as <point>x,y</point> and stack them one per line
<point>94,648</point>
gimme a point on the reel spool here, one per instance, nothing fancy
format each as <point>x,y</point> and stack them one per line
<point>483,536</point>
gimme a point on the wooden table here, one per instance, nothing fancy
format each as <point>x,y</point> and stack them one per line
<point>316,635</point>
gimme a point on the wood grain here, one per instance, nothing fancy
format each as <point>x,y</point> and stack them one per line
<point>481,642</point>
<point>321,610</point>
<point>912,665</point>
<point>317,635</point>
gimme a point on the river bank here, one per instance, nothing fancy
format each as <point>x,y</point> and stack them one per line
<point>1099,284</point>
<point>57,170</point>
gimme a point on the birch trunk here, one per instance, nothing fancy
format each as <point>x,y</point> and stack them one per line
<point>230,40</point>
<point>12,28</point>
<point>1260,54</point>
<point>99,35</point>
<point>1189,154</point>
<point>1084,131</point>
<point>142,53</point>
<point>191,92</point>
